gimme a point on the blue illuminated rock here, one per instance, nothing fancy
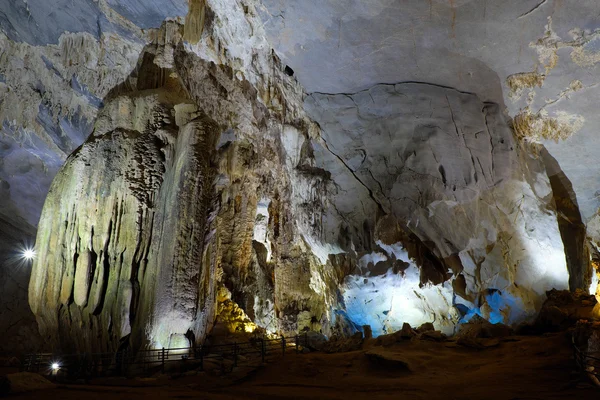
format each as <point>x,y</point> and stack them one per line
<point>438,184</point>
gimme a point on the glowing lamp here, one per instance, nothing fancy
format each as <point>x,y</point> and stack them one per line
<point>28,254</point>
<point>55,366</point>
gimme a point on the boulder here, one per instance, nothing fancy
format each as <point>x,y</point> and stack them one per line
<point>480,334</point>
<point>436,336</point>
<point>562,309</point>
<point>407,332</point>
<point>387,359</point>
<point>478,327</point>
<point>314,340</point>
<point>426,327</point>
<point>367,332</point>
<point>352,343</point>
<point>552,318</point>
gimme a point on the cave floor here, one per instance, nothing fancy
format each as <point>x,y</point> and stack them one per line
<point>523,367</point>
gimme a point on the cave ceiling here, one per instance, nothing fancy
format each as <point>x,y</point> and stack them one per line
<point>471,45</point>
<point>485,47</point>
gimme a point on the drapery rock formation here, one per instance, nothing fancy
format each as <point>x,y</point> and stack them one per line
<point>170,199</point>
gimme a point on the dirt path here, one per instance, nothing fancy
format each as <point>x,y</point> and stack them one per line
<point>529,368</point>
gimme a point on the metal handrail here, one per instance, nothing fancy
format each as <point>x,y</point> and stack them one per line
<point>118,362</point>
<point>586,362</point>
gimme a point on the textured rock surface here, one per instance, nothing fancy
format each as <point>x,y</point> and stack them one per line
<point>534,56</point>
<point>411,203</point>
<point>119,232</point>
<point>57,61</point>
<point>431,177</point>
<point>173,196</point>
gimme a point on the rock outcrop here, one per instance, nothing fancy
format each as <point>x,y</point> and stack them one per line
<point>446,213</point>
<point>182,188</point>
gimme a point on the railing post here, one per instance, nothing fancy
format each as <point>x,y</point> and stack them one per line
<point>297,338</point>
<point>235,354</point>
<point>263,350</point>
<point>201,358</point>
<point>282,345</point>
<point>83,366</point>
<point>163,360</point>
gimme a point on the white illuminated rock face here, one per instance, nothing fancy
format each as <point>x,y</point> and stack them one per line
<point>387,301</point>
<point>444,168</point>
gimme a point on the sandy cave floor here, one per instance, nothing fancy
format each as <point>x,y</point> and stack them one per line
<point>521,367</point>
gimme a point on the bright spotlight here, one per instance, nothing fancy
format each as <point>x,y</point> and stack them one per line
<point>55,366</point>
<point>28,254</point>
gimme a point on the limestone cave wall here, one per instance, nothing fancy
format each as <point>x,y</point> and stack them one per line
<point>211,185</point>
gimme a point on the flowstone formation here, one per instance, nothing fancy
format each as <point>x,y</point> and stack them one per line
<point>181,191</point>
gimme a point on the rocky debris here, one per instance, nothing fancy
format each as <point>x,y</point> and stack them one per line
<point>479,333</point>
<point>436,336</point>
<point>314,340</point>
<point>343,345</point>
<point>426,327</point>
<point>562,298</point>
<point>387,359</point>
<point>478,327</point>
<point>367,332</point>
<point>23,382</point>
<point>424,332</point>
<point>407,332</point>
<point>562,309</point>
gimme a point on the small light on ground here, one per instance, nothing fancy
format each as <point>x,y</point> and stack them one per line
<point>55,367</point>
